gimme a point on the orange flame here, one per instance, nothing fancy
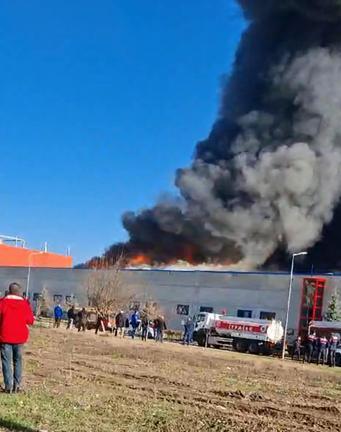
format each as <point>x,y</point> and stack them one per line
<point>187,254</point>
<point>140,259</point>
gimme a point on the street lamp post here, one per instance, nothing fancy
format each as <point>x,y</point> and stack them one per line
<point>289,298</point>
<point>29,270</point>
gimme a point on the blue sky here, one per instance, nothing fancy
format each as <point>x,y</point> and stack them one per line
<point>100,103</point>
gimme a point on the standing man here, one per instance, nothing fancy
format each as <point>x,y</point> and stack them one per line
<point>58,315</point>
<point>145,325</point>
<point>71,316</point>
<point>134,321</point>
<point>82,320</point>
<point>160,327</point>
<point>309,351</point>
<point>100,322</point>
<point>119,324</point>
<point>189,330</point>
<point>15,317</point>
<point>322,350</point>
<point>333,342</point>
<point>297,349</point>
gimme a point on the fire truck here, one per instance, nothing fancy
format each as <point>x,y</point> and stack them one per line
<point>255,336</point>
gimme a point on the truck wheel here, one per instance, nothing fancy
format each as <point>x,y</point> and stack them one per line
<point>201,339</point>
<point>241,346</point>
<point>254,348</point>
<point>338,359</point>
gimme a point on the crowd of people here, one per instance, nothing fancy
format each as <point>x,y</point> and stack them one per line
<point>321,349</point>
<point>119,324</point>
<point>136,323</point>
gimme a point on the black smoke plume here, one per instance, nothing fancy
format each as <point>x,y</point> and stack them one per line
<point>266,182</point>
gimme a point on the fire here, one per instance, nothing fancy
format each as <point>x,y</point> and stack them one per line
<point>185,257</point>
<point>140,259</point>
<point>189,254</point>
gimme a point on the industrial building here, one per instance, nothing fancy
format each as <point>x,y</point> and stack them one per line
<point>181,293</point>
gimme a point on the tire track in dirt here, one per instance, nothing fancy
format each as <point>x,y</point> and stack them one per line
<point>262,395</point>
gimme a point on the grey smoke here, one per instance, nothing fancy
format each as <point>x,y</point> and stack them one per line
<point>268,175</point>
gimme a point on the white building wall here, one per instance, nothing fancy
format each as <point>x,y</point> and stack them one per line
<point>230,291</point>
<point>222,291</point>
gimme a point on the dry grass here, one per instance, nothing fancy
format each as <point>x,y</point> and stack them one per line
<point>87,383</point>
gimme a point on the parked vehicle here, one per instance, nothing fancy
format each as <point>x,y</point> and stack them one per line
<point>338,356</point>
<point>91,320</point>
<point>255,336</point>
<point>328,329</point>
<point>325,328</point>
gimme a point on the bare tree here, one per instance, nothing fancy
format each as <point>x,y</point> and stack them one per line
<point>44,303</point>
<point>106,291</point>
<point>333,312</point>
<point>151,309</point>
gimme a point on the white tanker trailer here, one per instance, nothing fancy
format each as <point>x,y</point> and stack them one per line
<point>255,336</point>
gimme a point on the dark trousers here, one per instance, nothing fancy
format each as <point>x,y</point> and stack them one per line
<point>332,357</point>
<point>11,354</point>
<point>159,335</point>
<point>322,356</point>
<point>81,326</point>
<point>99,326</point>
<point>309,353</point>
<point>144,333</point>
<point>57,322</point>
<point>133,332</point>
<point>296,352</point>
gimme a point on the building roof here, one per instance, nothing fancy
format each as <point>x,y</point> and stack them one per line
<point>11,256</point>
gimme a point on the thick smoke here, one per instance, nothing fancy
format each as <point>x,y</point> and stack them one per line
<point>267,179</point>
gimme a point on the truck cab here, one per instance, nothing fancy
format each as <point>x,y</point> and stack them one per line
<point>202,322</point>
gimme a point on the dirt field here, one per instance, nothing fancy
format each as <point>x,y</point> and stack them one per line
<point>88,383</point>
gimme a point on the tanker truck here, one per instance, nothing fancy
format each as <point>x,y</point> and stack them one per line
<point>255,336</point>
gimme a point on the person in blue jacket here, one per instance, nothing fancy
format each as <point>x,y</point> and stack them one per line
<point>135,322</point>
<point>58,315</point>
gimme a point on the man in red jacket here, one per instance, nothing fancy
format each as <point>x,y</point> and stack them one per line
<point>15,317</point>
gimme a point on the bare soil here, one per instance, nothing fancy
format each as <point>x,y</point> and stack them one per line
<point>119,384</point>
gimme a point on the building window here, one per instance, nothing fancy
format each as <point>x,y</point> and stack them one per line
<point>267,315</point>
<point>242,313</point>
<point>182,309</point>
<point>208,309</point>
